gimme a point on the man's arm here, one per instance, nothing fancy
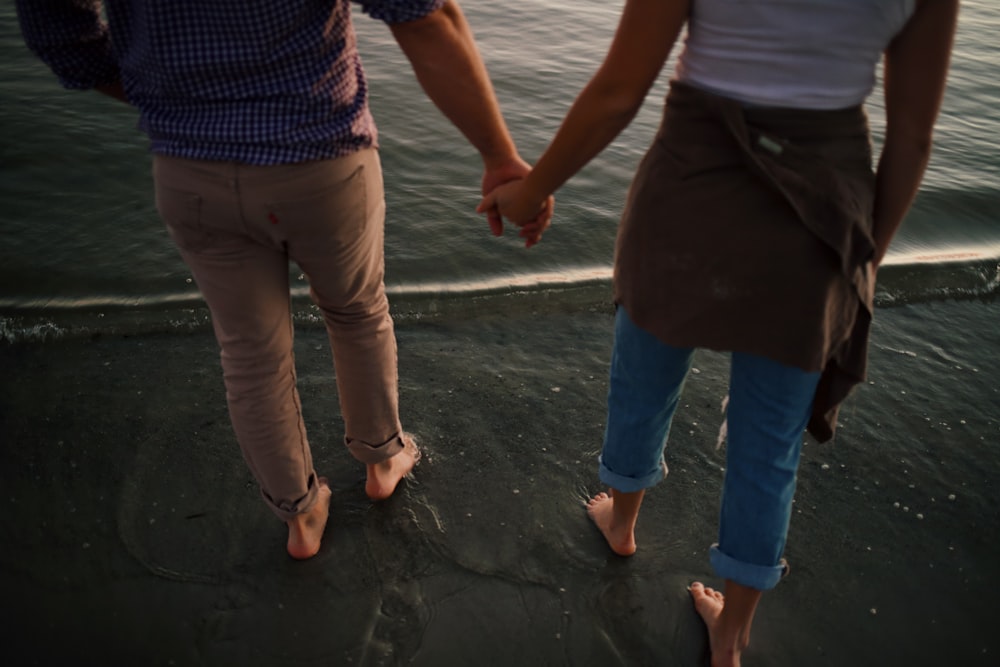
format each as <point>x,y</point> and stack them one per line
<point>444,56</point>
<point>443,52</point>
<point>916,68</point>
<point>72,40</point>
<point>645,36</point>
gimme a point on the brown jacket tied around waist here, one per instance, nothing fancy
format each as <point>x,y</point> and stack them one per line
<point>749,229</point>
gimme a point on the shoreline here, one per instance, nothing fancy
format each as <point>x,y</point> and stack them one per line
<point>967,276</point>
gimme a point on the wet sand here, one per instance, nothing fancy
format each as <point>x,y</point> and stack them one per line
<point>132,533</point>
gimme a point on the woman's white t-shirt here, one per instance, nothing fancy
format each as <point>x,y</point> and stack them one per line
<point>812,54</point>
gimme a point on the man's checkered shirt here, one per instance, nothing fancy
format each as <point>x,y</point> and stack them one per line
<point>252,81</point>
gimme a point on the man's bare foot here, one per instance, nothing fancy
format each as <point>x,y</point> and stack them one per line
<point>620,535</point>
<point>383,477</point>
<point>726,644</point>
<point>305,531</point>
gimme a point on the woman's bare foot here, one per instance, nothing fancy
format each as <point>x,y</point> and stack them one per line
<point>305,531</point>
<point>619,533</point>
<point>727,637</point>
<point>383,477</point>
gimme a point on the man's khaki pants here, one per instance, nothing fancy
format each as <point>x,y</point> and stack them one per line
<point>237,227</point>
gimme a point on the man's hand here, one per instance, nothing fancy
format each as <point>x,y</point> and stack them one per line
<point>114,90</point>
<point>495,176</point>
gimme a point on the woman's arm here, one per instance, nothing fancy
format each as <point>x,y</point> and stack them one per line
<point>915,70</point>
<point>646,34</point>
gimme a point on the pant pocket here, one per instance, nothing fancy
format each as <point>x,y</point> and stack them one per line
<point>181,213</point>
<point>335,207</point>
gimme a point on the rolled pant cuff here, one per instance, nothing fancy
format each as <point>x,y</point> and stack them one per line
<point>287,510</point>
<point>758,577</point>
<point>630,484</point>
<point>372,454</point>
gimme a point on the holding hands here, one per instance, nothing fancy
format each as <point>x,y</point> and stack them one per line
<point>514,200</point>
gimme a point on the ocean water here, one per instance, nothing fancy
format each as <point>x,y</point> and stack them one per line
<point>82,238</point>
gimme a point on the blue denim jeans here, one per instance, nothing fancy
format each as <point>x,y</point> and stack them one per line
<point>769,405</point>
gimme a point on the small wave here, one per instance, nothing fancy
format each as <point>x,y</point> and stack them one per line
<point>47,319</point>
<point>940,275</point>
<point>903,279</point>
<point>99,302</point>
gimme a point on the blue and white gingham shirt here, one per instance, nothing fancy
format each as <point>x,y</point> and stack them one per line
<point>252,81</point>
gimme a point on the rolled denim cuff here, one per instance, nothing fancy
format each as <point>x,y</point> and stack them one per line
<point>631,484</point>
<point>758,577</point>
